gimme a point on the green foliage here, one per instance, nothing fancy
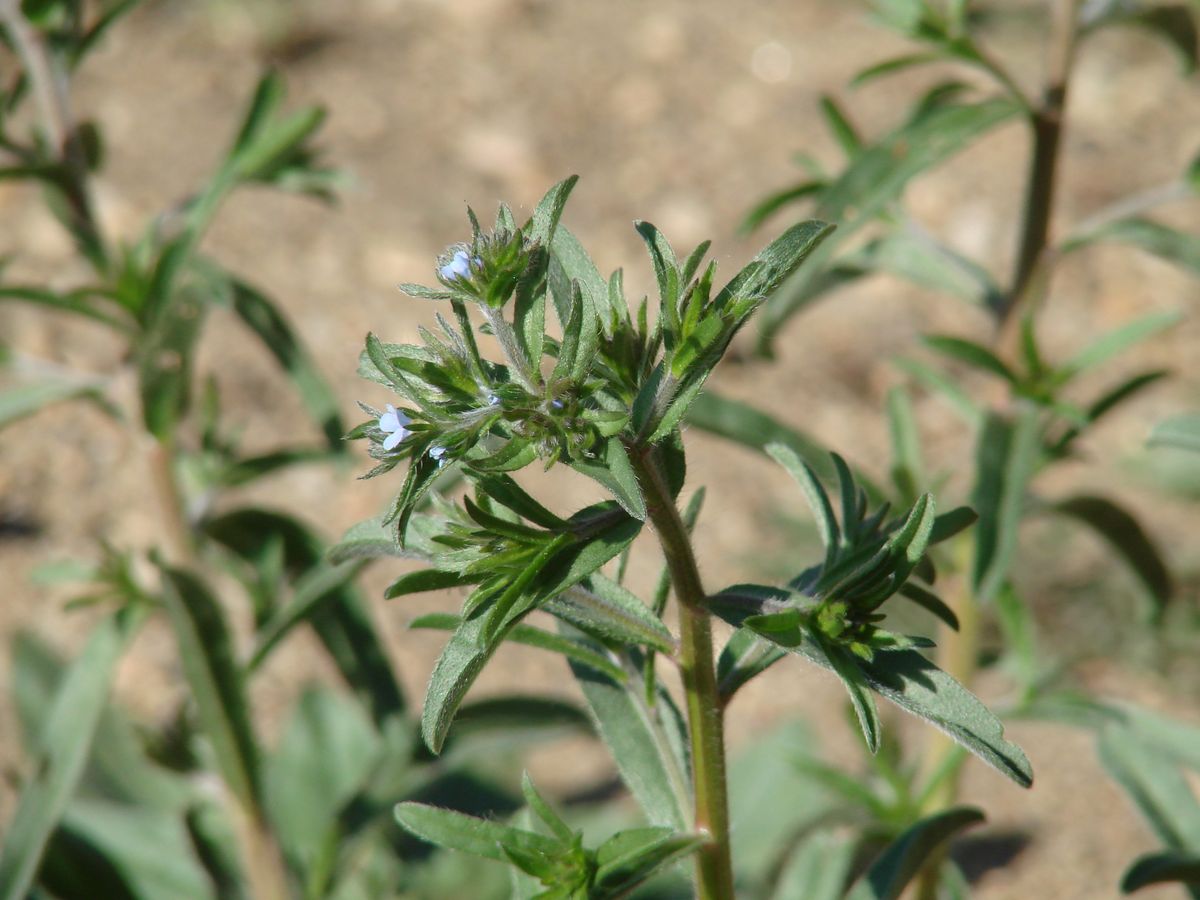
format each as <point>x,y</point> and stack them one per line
<point>559,861</point>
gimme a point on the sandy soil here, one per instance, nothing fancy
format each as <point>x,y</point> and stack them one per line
<point>682,113</point>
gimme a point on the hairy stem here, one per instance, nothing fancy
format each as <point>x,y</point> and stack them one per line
<point>1047,122</point>
<point>705,715</point>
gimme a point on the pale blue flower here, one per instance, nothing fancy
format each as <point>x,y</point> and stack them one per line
<point>458,267</point>
<point>394,423</point>
<point>436,452</point>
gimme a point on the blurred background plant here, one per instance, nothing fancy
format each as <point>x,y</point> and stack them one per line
<point>200,805</point>
<point>1026,415</point>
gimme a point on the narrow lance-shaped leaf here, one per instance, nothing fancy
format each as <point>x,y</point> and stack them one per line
<point>25,399</point>
<point>1116,342</point>
<point>608,612</point>
<point>479,837</point>
<point>1182,432</point>
<point>630,857</point>
<point>814,493</point>
<point>533,637</point>
<point>266,321</point>
<point>477,638</point>
<point>904,677</point>
<point>1125,535</point>
<point>1178,247</point>
<point>216,683</point>
<point>639,743</point>
<point>905,856</point>
<point>875,178</point>
<point>1155,785</point>
<point>742,423</point>
<point>63,750</point>
<point>1162,868</point>
<point>1007,456</point>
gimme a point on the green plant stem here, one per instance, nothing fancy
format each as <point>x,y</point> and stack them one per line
<point>958,655</point>
<point>264,867</point>
<point>177,531</point>
<point>705,715</point>
<point>1046,120</point>
<point>49,90</point>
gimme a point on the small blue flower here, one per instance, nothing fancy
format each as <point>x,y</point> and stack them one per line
<point>437,453</point>
<point>458,267</point>
<point>394,423</point>
<point>493,400</point>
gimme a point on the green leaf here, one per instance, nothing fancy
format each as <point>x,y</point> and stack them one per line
<point>666,269</point>
<point>62,752</point>
<point>605,610</point>
<point>510,715</point>
<point>1161,868</point>
<point>777,201</point>
<point>817,870</point>
<point>905,856</point>
<point>840,127</point>
<point>479,837</point>
<point>876,178</point>
<point>814,493</point>
<point>913,683</point>
<point>948,524</point>
<point>165,361</point>
<point>1124,535</point>
<point>426,580</point>
<point>569,262</point>
<point>908,470</point>
<point>544,811</point>
<point>744,657</point>
<point>339,619</point>
<point>638,740</point>
<point>771,801</point>
<point>1176,247</point>
<point>926,262</point>
<point>277,335</point>
<point>1182,432</point>
<point>974,355</point>
<point>743,424</point>
<point>25,399</point>
<point>1116,342</point>
<point>478,636</point>
<point>76,302</point>
<point>630,857</point>
<point>1006,457</point>
<point>370,539</point>
<point>1157,788</point>
<point>216,683</point>
<point>775,262</point>
<point>529,312</point>
<point>930,602</point>
<point>320,588</point>
<point>949,389</point>
<point>118,766</point>
<point>326,754</point>
<point>856,688</point>
<point>893,65</point>
<point>533,637</point>
<point>113,850</point>
<point>617,476</point>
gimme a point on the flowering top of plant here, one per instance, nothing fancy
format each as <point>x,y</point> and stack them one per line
<point>609,383</point>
